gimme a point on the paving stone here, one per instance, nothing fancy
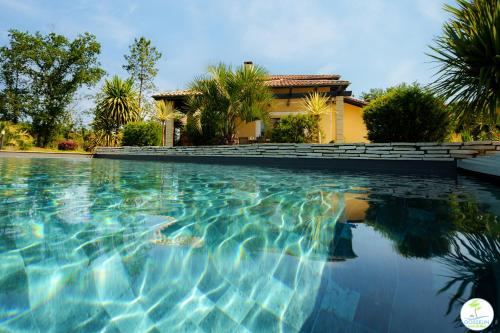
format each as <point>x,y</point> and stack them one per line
<point>464,151</point>
<point>438,159</point>
<point>474,143</point>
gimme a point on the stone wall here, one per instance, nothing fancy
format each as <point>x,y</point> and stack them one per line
<point>424,151</point>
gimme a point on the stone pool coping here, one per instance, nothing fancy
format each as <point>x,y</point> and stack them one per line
<point>399,157</point>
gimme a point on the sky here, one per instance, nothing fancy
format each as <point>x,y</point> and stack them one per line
<point>371,43</point>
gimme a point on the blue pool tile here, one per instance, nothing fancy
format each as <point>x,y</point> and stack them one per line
<point>274,296</point>
<point>261,320</point>
<point>235,304</point>
<point>218,322</point>
<point>341,301</point>
<point>286,271</point>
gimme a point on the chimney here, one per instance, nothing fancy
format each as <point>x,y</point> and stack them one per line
<point>248,64</point>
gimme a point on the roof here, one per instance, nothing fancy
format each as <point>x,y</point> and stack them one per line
<point>174,93</point>
<point>355,101</point>
<point>307,80</point>
<point>186,92</point>
<point>281,81</point>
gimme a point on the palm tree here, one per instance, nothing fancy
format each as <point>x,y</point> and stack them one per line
<point>117,105</point>
<point>317,104</point>
<point>224,97</point>
<point>468,57</point>
<point>166,113</point>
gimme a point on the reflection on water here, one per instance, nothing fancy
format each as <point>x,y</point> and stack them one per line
<point>474,272</point>
<point>134,247</point>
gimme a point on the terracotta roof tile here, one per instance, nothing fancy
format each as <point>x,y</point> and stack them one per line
<point>305,77</point>
<point>355,101</point>
<point>304,83</point>
<point>283,81</point>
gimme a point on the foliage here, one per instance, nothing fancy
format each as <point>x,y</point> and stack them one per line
<point>165,112</point>
<point>141,65</point>
<point>42,73</point>
<point>473,272</point>
<point>224,97</point>
<point>296,129</point>
<point>142,134</point>
<point>316,104</point>
<point>67,145</point>
<point>407,113</point>
<point>479,129</point>
<point>103,137</point>
<point>15,136</point>
<point>468,55</point>
<point>14,95</point>
<point>117,105</point>
<point>373,94</point>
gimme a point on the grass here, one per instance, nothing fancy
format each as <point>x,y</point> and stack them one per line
<point>47,151</point>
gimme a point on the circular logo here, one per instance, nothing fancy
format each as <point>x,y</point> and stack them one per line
<point>476,314</point>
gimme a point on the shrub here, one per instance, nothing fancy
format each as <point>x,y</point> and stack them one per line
<point>407,114</point>
<point>296,129</point>
<point>142,134</point>
<point>16,136</point>
<point>67,145</point>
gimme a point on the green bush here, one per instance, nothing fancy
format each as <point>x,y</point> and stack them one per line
<point>407,113</point>
<point>16,136</point>
<point>142,134</point>
<point>296,129</point>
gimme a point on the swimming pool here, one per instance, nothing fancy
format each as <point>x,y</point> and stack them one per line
<point>122,246</point>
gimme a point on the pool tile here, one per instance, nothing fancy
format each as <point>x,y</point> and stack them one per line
<point>274,296</point>
<point>262,320</point>
<point>212,283</point>
<point>286,270</point>
<point>218,322</point>
<point>195,307</point>
<point>341,301</point>
<point>235,304</point>
<point>300,308</point>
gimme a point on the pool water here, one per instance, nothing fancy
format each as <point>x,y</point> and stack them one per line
<point>122,246</point>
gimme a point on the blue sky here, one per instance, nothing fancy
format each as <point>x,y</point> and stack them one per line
<point>372,43</point>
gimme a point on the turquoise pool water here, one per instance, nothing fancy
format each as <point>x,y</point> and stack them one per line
<point>121,246</point>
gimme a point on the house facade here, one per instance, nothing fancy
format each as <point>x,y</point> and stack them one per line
<point>343,123</point>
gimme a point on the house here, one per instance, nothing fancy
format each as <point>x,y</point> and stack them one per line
<point>342,124</point>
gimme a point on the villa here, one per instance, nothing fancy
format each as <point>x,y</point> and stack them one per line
<point>344,122</point>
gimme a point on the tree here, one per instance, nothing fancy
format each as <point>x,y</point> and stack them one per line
<point>468,56</point>
<point>13,80</point>
<point>117,105</point>
<point>141,65</point>
<point>51,68</point>
<point>166,114</point>
<point>225,97</point>
<point>407,113</point>
<point>372,94</point>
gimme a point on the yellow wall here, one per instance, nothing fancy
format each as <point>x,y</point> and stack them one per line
<point>246,130</point>
<point>354,127</point>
